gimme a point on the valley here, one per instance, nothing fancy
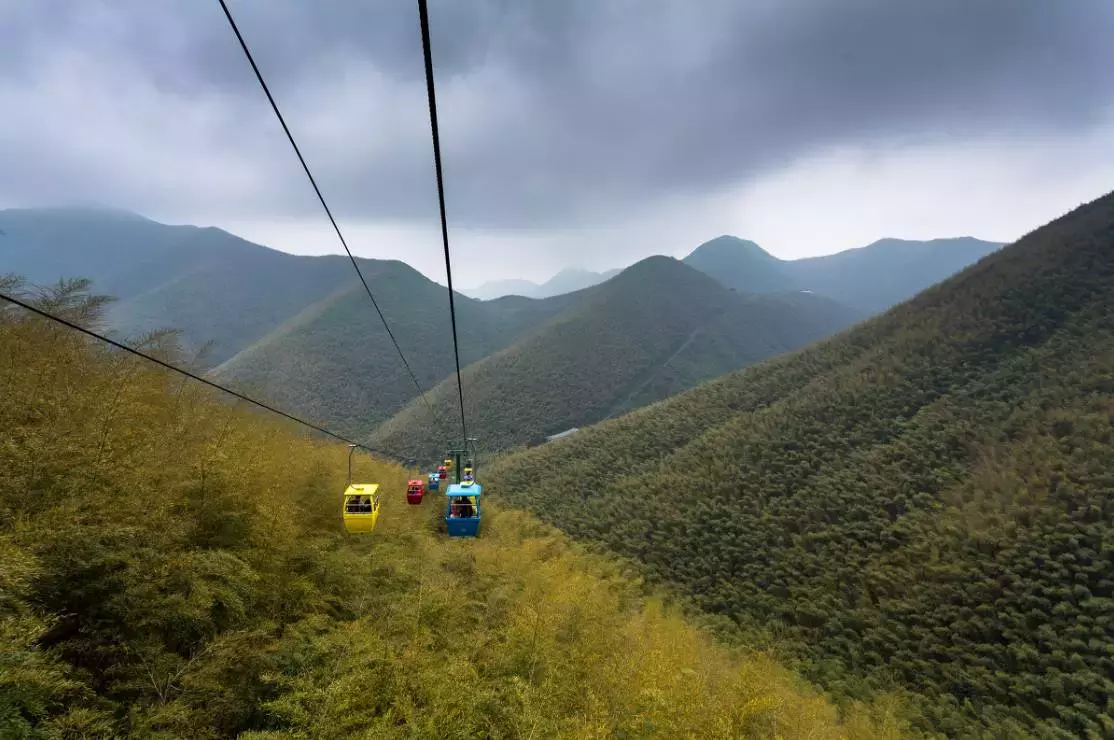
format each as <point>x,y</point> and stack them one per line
<point>926,494</point>
<point>851,501</point>
<point>186,577</point>
<point>589,371</point>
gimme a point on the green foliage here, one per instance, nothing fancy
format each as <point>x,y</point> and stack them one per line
<point>174,566</point>
<point>656,329</point>
<point>334,360</point>
<point>921,502</point>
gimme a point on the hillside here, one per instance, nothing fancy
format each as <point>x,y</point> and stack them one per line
<point>268,321</point>
<point>204,282</point>
<point>880,275</point>
<point>657,328</point>
<point>927,494</point>
<point>335,362</point>
<point>172,566</point>
<point>300,332</point>
<point>869,279</point>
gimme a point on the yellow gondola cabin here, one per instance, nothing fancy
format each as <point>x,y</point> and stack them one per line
<point>361,507</point>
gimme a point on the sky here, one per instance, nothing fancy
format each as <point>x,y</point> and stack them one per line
<point>578,133</point>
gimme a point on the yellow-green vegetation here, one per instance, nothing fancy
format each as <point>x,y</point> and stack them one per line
<point>174,566</point>
<point>925,498</point>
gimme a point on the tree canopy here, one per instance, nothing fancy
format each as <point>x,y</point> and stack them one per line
<point>173,565</point>
<point>923,501</point>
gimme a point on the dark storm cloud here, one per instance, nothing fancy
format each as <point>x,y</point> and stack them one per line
<point>550,110</point>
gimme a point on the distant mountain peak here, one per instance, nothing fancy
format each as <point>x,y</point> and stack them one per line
<point>740,264</point>
<point>729,246</point>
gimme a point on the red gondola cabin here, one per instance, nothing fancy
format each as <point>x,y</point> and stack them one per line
<point>442,472</point>
<point>415,490</point>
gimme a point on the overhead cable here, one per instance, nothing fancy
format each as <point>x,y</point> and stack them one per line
<point>321,197</point>
<point>151,358</point>
<point>423,16</point>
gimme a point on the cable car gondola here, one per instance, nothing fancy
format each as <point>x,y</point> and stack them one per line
<point>462,510</point>
<point>361,507</point>
<point>442,472</point>
<point>434,481</point>
<point>415,490</point>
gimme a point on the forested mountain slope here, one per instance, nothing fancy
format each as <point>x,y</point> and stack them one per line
<point>220,291</point>
<point>656,329</point>
<point>927,495</point>
<point>174,566</point>
<point>869,279</point>
<point>300,331</point>
<point>335,361</point>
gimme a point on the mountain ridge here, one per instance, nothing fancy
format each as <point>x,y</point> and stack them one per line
<point>295,330</point>
<point>658,327</point>
<point>870,279</point>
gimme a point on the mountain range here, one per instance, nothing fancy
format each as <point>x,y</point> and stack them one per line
<point>656,329</point>
<point>566,281</point>
<point>925,496</point>
<point>868,279</point>
<point>172,566</point>
<point>300,331</point>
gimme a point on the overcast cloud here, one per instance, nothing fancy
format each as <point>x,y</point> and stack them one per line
<point>581,132</point>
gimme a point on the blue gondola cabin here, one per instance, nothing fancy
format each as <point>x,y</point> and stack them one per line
<point>434,481</point>
<point>462,510</point>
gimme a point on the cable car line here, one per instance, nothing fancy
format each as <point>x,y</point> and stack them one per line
<point>461,519</point>
<point>423,16</point>
<point>187,373</point>
<point>321,197</point>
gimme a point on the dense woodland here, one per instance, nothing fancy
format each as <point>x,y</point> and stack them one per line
<point>172,565</point>
<point>335,362</point>
<point>925,501</point>
<point>657,329</point>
